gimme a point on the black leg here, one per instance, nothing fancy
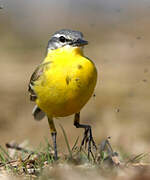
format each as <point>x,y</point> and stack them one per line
<point>88,138</point>
<point>53,133</point>
<point>54,144</point>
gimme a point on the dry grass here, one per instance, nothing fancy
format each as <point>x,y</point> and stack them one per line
<point>19,163</point>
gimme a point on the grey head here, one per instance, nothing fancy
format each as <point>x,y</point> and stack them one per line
<point>66,37</point>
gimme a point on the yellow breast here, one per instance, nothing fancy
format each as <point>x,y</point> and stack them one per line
<point>67,82</point>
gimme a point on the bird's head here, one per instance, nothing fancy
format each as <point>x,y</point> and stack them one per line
<point>66,37</point>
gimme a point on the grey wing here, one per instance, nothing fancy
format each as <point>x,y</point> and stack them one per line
<point>37,112</point>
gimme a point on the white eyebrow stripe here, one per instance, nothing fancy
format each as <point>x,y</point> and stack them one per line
<point>57,35</point>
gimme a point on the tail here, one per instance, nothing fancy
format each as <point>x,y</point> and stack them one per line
<point>37,113</point>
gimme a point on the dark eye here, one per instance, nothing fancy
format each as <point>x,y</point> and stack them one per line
<point>62,39</point>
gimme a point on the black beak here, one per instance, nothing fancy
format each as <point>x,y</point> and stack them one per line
<point>79,42</point>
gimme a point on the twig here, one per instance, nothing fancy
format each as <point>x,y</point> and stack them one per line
<point>18,148</point>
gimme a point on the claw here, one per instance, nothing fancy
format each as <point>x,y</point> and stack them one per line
<point>87,140</point>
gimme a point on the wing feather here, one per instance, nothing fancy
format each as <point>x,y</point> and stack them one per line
<point>35,76</point>
<point>38,113</point>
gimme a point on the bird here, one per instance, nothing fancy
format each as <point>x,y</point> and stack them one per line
<point>63,83</point>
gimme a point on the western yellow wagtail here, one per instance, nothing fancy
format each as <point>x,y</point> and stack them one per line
<point>63,83</point>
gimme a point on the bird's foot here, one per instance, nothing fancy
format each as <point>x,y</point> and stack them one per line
<point>88,141</point>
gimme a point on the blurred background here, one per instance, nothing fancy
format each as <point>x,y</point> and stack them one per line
<point>119,44</point>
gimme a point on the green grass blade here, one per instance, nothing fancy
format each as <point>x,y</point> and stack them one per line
<point>5,152</point>
<point>137,158</point>
<point>75,143</point>
<point>66,140</point>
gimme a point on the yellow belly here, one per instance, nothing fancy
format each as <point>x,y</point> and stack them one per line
<point>66,85</point>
